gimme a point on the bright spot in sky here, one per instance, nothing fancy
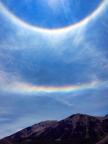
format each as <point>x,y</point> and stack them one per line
<point>53,3</point>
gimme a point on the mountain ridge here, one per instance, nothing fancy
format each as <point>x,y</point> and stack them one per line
<point>75,129</point>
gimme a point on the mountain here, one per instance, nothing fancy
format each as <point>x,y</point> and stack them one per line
<point>76,129</point>
<point>103,141</point>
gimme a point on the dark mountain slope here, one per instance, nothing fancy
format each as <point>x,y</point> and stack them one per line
<point>103,141</point>
<point>76,129</point>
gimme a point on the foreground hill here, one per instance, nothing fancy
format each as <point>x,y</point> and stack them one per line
<point>76,129</point>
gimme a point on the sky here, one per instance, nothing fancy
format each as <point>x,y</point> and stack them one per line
<point>53,61</point>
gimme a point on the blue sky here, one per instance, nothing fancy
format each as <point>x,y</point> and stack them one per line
<point>31,57</point>
<point>51,13</point>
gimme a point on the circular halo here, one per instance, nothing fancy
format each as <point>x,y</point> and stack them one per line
<point>51,14</point>
<point>18,21</point>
